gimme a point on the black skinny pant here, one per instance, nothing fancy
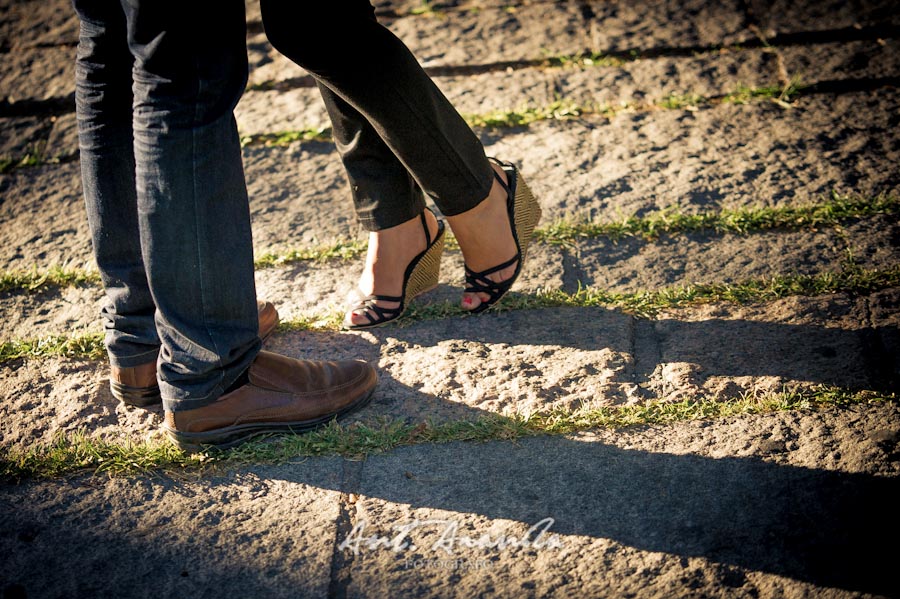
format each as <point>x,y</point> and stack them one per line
<point>397,134</point>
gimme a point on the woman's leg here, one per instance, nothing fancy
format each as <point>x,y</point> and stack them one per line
<point>384,84</point>
<point>388,202</point>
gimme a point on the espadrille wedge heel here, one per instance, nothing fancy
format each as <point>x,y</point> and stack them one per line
<point>421,275</point>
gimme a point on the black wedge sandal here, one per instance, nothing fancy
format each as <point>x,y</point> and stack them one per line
<point>421,275</point>
<point>524,213</point>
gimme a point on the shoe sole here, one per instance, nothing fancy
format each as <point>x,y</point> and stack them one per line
<point>225,438</point>
<point>139,397</point>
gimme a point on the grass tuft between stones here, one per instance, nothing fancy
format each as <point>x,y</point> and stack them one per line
<point>55,276</point>
<point>644,304</point>
<point>837,209</point>
<point>77,452</point>
<point>563,109</point>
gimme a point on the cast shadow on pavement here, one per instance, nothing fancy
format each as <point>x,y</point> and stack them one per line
<point>809,524</point>
<point>824,527</point>
<point>829,355</point>
<point>815,525</point>
<point>827,528</point>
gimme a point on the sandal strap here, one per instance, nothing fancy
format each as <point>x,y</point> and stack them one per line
<point>366,306</point>
<point>425,226</point>
<point>502,183</point>
<point>477,282</point>
<point>504,166</point>
<point>383,298</point>
<point>493,269</point>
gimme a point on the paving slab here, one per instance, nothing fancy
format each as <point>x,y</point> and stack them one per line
<point>294,192</point>
<point>27,24</point>
<point>884,338</point>
<point>62,311</point>
<point>495,34</point>
<point>528,32</point>
<point>780,16</point>
<point>764,348</point>
<point>711,74</point>
<point>874,243</point>
<point>62,142</point>
<point>878,58</point>
<point>42,218</point>
<point>257,532</point>
<point>42,399</point>
<point>627,265</point>
<point>524,361</point>
<point>19,135</point>
<point>751,506</point>
<point>635,265</point>
<point>745,507</point>
<point>727,156</point>
<point>515,362</point>
<point>722,157</point>
<point>45,74</point>
<point>661,25</point>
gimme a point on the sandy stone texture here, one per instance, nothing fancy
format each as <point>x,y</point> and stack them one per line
<point>730,508</point>
<point>256,532</point>
<point>791,504</point>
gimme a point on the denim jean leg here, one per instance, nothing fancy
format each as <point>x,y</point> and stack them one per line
<point>189,72</point>
<point>103,107</point>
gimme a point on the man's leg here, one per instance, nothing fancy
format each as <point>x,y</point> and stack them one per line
<point>193,218</point>
<point>103,103</point>
<point>190,69</point>
<point>217,387</point>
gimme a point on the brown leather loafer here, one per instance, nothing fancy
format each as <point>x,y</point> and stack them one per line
<point>136,386</point>
<point>268,319</point>
<point>283,395</point>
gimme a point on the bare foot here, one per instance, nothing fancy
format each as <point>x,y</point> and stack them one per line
<point>485,238</point>
<point>390,252</point>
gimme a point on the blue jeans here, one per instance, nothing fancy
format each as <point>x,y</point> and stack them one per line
<point>156,86</point>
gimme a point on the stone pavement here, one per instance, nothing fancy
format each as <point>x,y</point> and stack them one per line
<point>649,117</point>
<point>649,513</point>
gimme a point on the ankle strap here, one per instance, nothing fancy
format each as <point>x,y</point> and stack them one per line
<point>425,226</point>
<point>497,176</point>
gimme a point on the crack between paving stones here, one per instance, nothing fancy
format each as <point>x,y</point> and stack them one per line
<point>646,354</point>
<point>573,274</point>
<point>342,561</point>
